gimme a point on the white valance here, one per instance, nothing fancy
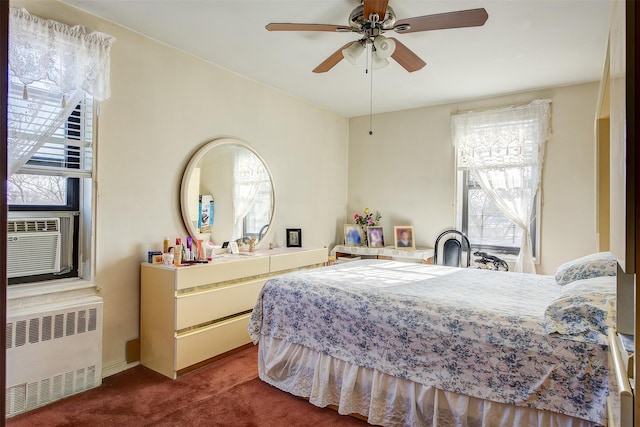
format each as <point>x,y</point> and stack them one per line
<point>70,57</point>
<point>505,137</point>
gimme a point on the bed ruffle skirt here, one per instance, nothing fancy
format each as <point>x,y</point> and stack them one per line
<point>386,400</point>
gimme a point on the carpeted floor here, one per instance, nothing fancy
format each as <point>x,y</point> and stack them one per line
<point>225,393</point>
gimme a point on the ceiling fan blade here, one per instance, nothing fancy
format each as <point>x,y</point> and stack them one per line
<point>375,6</point>
<point>405,57</point>
<point>441,21</point>
<point>332,60</point>
<point>308,27</point>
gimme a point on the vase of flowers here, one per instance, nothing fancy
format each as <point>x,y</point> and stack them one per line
<point>365,220</point>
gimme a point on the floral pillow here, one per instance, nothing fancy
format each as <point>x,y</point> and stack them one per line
<point>584,310</point>
<point>594,265</point>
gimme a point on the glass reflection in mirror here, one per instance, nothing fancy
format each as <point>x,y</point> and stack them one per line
<point>240,185</point>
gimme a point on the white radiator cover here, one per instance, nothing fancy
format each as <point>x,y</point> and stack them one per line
<point>53,351</point>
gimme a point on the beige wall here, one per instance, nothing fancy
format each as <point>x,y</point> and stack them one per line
<point>406,170</point>
<point>164,106</point>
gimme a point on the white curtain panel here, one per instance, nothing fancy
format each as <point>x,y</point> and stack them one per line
<point>50,59</point>
<point>504,150</point>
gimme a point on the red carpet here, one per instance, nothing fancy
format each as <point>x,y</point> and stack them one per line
<point>225,393</point>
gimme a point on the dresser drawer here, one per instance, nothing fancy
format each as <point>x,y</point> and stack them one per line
<point>201,307</point>
<point>221,271</point>
<point>205,343</point>
<point>288,261</point>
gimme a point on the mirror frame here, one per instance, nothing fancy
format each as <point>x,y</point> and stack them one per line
<point>195,160</point>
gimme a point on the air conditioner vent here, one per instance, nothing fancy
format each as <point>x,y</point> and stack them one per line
<point>32,225</point>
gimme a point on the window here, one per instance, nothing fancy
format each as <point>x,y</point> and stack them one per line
<point>499,160</point>
<point>486,226</point>
<point>51,181</point>
<point>252,195</point>
<point>56,75</point>
<point>258,218</point>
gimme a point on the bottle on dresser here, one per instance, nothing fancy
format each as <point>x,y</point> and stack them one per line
<point>178,252</point>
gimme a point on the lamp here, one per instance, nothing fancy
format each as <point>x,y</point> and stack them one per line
<point>353,52</point>
<point>384,46</point>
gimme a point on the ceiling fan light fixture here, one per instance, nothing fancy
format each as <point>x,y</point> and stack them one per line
<point>353,52</point>
<point>377,62</point>
<point>384,46</point>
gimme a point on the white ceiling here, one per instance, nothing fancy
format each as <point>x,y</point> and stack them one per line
<point>524,45</point>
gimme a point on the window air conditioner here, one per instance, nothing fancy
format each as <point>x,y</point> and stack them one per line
<point>33,246</point>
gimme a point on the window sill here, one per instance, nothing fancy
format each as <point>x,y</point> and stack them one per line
<point>55,291</point>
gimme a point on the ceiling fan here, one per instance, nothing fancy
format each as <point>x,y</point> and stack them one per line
<point>371,19</point>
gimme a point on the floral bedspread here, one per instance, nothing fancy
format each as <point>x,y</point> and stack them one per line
<point>474,332</point>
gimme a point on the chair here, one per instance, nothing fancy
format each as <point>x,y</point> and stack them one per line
<point>449,247</point>
<point>263,230</point>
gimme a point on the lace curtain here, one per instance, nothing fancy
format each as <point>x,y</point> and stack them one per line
<point>248,174</point>
<point>504,149</point>
<point>50,59</point>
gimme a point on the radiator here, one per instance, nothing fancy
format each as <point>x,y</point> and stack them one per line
<point>52,352</point>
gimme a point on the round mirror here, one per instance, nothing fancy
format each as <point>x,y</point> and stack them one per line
<point>227,193</point>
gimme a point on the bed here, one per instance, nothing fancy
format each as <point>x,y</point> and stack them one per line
<point>414,344</point>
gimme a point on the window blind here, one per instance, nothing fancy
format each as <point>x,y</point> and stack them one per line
<point>65,152</point>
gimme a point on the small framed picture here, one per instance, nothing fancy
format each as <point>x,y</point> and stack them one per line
<point>353,235</point>
<point>294,237</point>
<point>403,235</point>
<point>375,237</point>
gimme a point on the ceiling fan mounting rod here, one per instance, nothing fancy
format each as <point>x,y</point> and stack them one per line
<point>359,23</point>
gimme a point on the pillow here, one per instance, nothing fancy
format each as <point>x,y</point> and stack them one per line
<point>594,265</point>
<point>584,310</point>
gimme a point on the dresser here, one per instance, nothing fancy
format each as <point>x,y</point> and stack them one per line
<point>194,313</point>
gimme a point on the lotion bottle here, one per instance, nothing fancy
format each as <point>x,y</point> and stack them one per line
<point>178,252</point>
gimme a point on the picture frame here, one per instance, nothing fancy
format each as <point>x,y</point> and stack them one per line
<point>375,236</point>
<point>353,235</point>
<point>404,237</point>
<point>205,213</point>
<point>294,237</point>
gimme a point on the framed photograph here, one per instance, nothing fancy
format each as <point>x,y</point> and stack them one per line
<point>375,237</point>
<point>403,235</point>
<point>353,235</point>
<point>205,213</point>
<point>294,237</point>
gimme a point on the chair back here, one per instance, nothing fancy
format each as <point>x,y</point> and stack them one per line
<point>449,247</point>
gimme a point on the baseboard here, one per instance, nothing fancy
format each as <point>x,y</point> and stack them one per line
<point>117,367</point>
